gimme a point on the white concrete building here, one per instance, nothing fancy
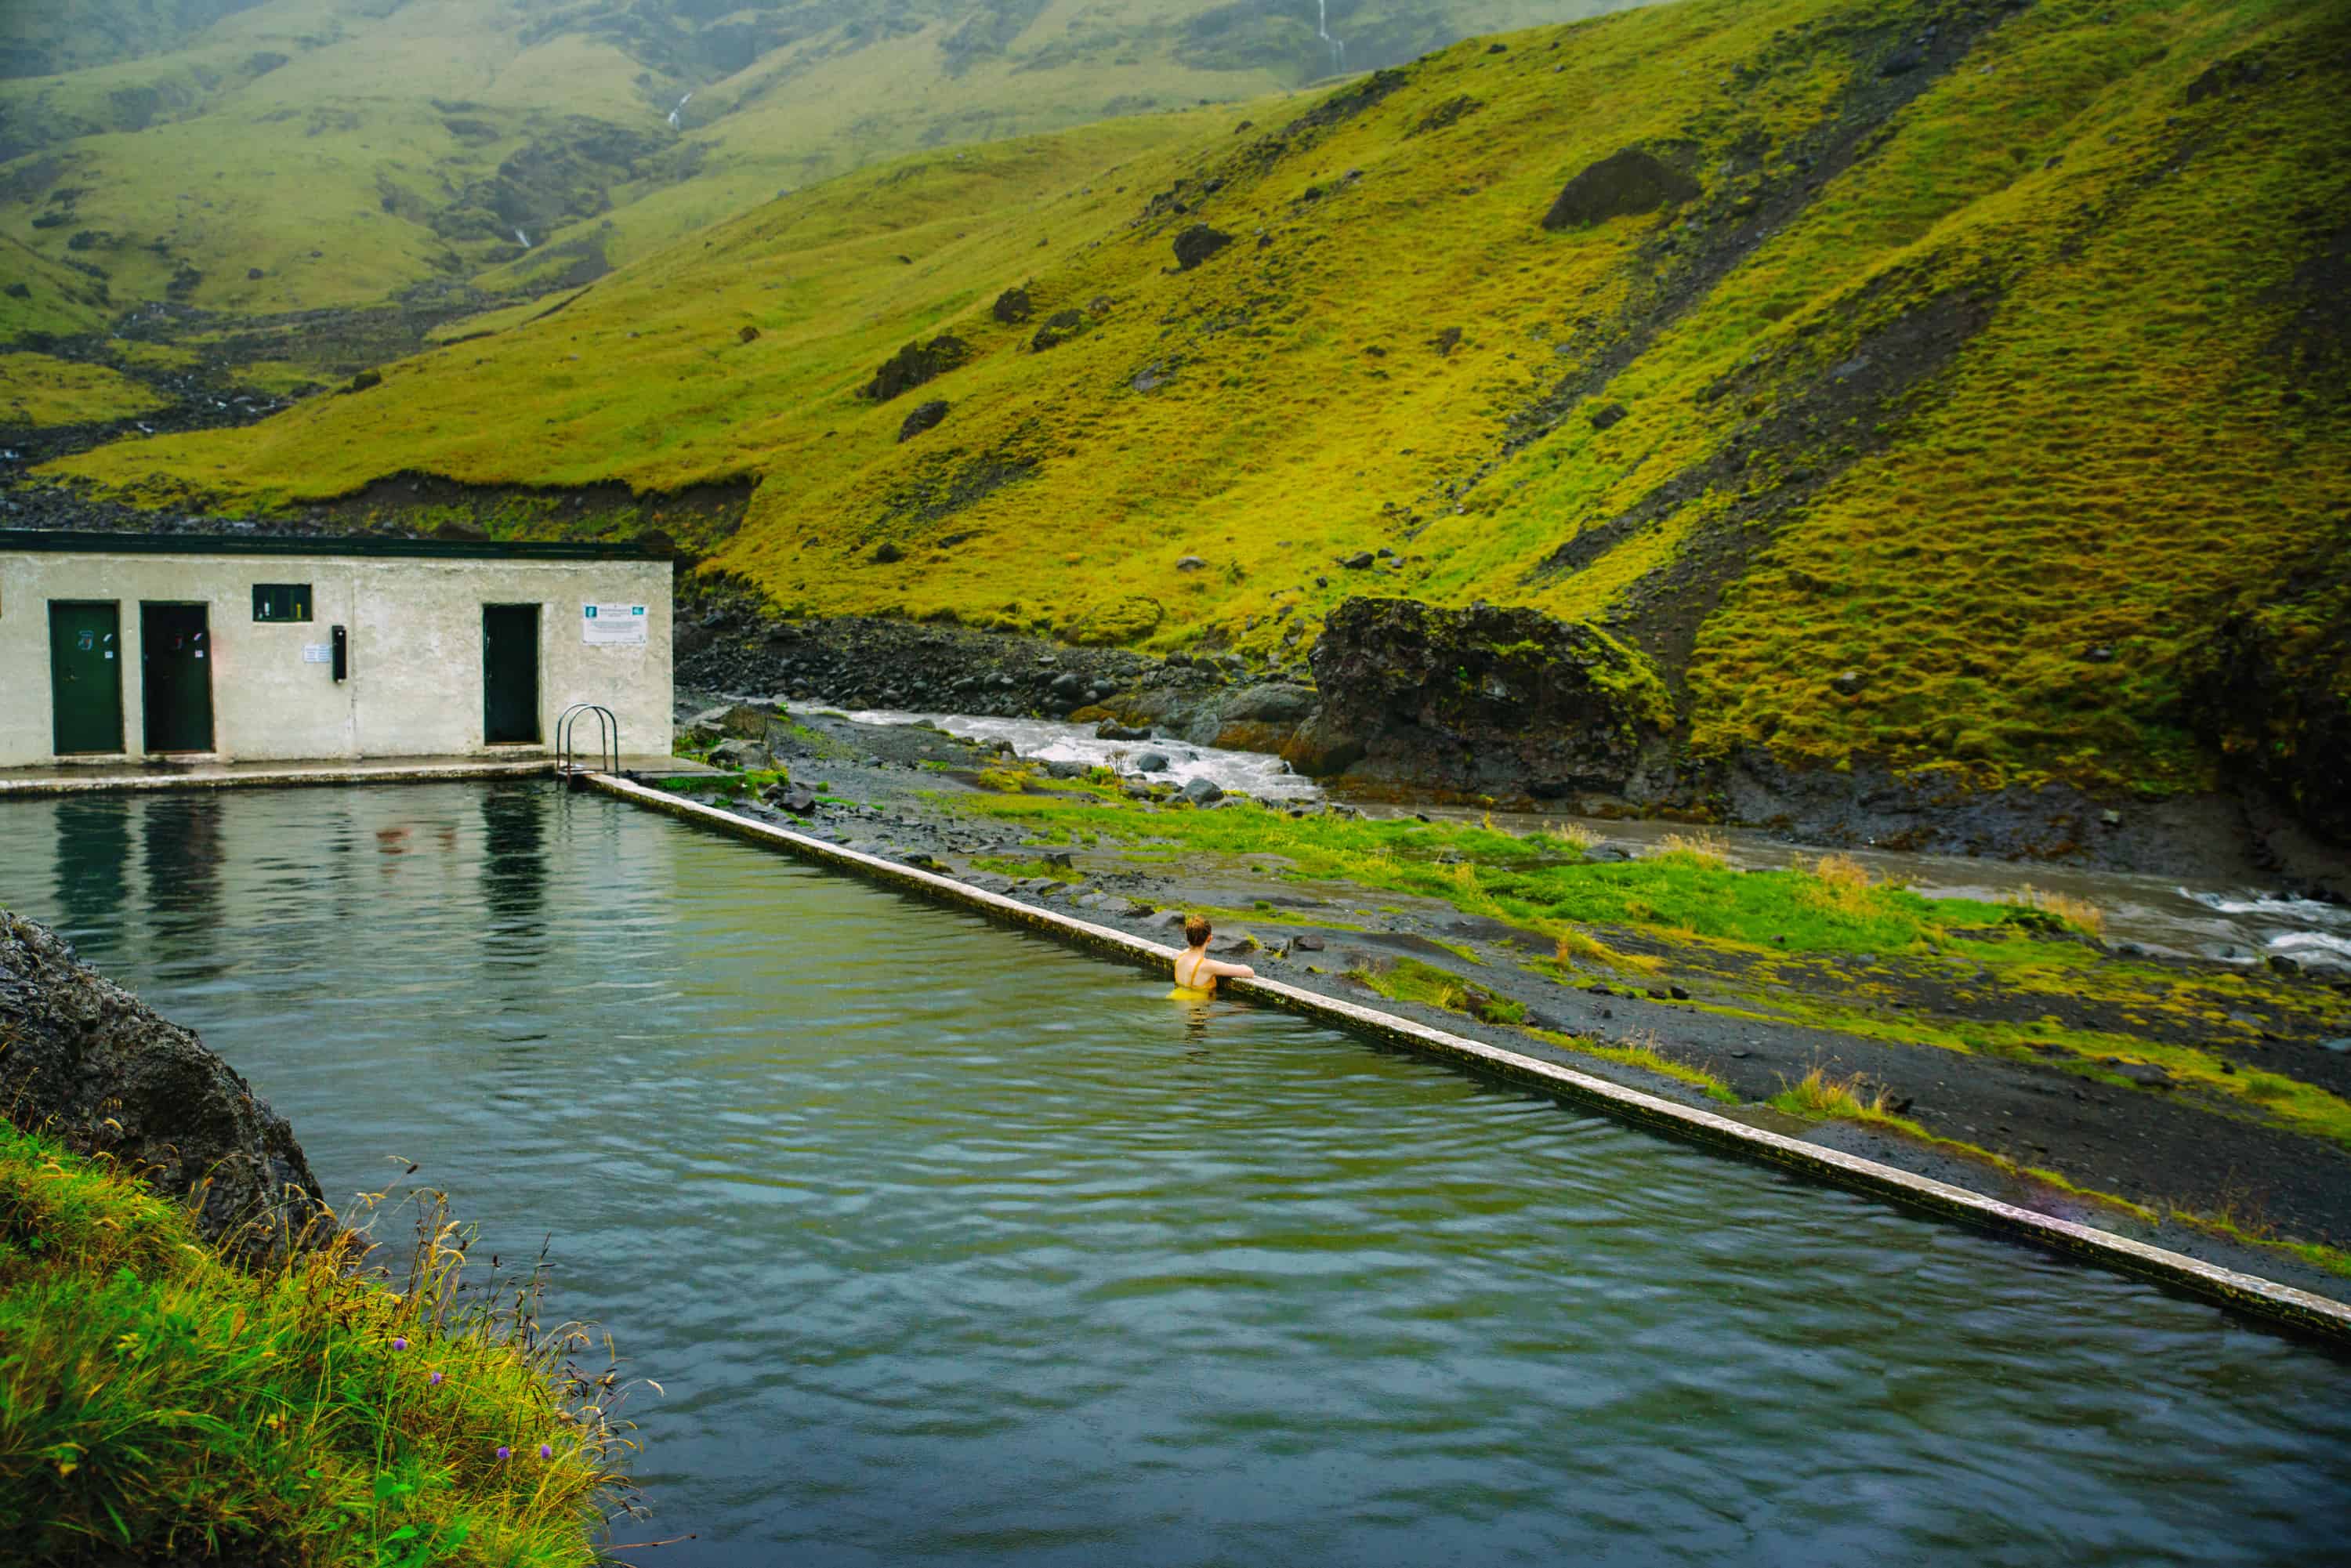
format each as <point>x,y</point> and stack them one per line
<point>121,648</point>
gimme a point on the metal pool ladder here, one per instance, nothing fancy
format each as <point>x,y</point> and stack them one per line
<point>608,743</point>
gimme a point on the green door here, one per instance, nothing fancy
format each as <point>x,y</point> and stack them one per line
<point>509,672</point>
<point>84,677</point>
<point>176,677</point>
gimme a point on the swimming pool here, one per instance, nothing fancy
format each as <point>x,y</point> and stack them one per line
<point>953,1245</point>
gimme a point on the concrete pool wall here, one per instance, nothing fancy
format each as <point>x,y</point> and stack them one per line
<point>2264,1298</point>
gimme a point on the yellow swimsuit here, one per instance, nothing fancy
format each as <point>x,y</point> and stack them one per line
<point>1184,993</point>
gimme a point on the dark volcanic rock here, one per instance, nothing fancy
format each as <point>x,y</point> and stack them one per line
<point>1013,307</point>
<point>2272,689</point>
<point>1059,328</point>
<point>1619,185</point>
<point>1198,244</point>
<point>1505,702</point>
<point>926,416</point>
<point>913,365</point>
<point>88,1063</point>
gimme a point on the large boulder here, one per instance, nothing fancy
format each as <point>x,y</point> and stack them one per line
<point>2271,689</point>
<point>1198,244</point>
<point>913,365</point>
<point>1620,185</point>
<point>92,1065</point>
<point>1262,717</point>
<point>1495,701</point>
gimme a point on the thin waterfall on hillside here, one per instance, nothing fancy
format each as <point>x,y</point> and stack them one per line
<point>523,239</point>
<point>1322,31</point>
<point>679,110</point>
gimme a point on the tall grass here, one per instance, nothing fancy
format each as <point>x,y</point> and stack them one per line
<point>1851,1099</point>
<point>2077,913</point>
<point>1709,852</point>
<point>348,1403</point>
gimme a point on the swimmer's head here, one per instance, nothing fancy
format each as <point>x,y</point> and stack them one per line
<point>1195,932</point>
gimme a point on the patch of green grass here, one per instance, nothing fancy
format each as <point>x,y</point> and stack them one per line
<point>150,1393</point>
<point>1646,1055</point>
<point>1539,880</point>
<point>2232,1228</point>
<point>2304,1107</point>
<point>38,390</point>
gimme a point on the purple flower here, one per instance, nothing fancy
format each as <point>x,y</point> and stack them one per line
<point>399,1344</point>
<point>436,1380</point>
<point>505,1452</point>
<point>546,1452</point>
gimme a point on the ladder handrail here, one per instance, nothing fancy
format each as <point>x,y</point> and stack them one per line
<point>608,738</point>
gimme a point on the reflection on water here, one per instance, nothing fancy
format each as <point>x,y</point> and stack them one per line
<point>954,1247</point>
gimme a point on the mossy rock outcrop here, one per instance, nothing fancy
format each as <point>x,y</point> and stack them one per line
<point>2273,691</point>
<point>1491,700</point>
<point>915,364</point>
<point>90,1064</point>
<point>1622,184</point>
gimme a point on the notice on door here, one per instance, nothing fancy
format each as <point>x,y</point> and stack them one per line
<point>612,623</point>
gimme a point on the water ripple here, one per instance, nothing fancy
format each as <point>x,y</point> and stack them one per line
<point>951,1245</point>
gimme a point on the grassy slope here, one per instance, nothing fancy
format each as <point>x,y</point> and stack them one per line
<point>2110,462</point>
<point>37,391</point>
<point>151,1396</point>
<point>312,140</point>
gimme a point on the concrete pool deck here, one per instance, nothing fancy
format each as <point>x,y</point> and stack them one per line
<point>2264,1298</point>
<point>99,778</point>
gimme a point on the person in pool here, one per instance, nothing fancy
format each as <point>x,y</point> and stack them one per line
<point>1197,974</point>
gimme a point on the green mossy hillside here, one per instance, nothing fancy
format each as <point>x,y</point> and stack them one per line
<point>1967,394</point>
<point>37,391</point>
<point>293,154</point>
<point>157,1405</point>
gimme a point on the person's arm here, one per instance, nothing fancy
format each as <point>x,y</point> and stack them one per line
<point>1229,971</point>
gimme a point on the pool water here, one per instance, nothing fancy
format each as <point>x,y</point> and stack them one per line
<point>952,1245</point>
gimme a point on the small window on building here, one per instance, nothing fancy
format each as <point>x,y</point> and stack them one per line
<point>281,601</point>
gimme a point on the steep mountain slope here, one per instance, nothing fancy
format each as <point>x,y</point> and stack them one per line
<point>300,153</point>
<point>1917,384</point>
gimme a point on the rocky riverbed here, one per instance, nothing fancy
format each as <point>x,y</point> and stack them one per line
<point>1490,707</point>
<point>2124,1129</point>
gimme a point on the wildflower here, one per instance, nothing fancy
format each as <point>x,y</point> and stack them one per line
<point>398,1343</point>
<point>546,1451</point>
<point>436,1380</point>
<point>505,1452</point>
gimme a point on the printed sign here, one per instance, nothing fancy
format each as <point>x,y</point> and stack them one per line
<point>612,623</point>
<point>317,653</point>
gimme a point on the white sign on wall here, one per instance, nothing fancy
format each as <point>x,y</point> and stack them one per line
<point>317,653</point>
<point>612,623</point>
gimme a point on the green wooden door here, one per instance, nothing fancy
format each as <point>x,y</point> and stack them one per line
<point>176,677</point>
<point>509,672</point>
<point>84,677</point>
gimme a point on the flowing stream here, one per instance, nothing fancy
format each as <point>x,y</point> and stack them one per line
<point>2232,925</point>
<point>953,1246</point>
